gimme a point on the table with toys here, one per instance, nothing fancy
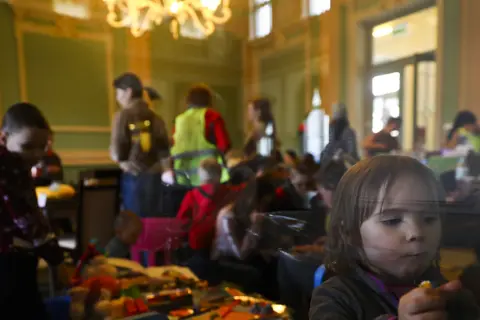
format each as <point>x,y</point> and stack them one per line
<point>107,288</point>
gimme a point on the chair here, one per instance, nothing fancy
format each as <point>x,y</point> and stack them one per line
<point>165,200</point>
<point>159,234</point>
<point>319,276</point>
<point>99,204</point>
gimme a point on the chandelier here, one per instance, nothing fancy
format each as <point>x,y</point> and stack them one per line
<point>141,15</point>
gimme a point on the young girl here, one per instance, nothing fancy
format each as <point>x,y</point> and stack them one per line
<point>383,241</point>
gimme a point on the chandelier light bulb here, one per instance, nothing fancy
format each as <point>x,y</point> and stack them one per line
<point>141,15</point>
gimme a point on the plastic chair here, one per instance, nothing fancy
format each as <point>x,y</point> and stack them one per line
<point>319,275</point>
<point>159,234</point>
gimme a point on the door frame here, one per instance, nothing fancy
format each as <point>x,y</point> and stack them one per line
<point>398,66</point>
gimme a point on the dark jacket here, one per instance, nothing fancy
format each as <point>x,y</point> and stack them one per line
<point>359,297</point>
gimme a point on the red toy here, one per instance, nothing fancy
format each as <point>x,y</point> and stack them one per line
<point>89,254</point>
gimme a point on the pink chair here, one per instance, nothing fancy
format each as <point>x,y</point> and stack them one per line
<point>159,234</point>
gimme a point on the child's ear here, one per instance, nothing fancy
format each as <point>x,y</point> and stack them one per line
<point>3,138</point>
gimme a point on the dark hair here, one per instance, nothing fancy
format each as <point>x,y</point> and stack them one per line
<point>126,218</point>
<point>258,194</point>
<point>309,161</point>
<point>292,154</point>
<point>199,95</point>
<point>329,175</point>
<point>264,108</point>
<point>130,81</point>
<point>23,115</point>
<point>337,127</point>
<point>302,169</point>
<point>393,120</point>
<point>462,119</point>
<point>357,196</point>
<point>153,94</point>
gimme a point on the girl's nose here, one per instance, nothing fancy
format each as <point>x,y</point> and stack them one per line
<point>414,231</point>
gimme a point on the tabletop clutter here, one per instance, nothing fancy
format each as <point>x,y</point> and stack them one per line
<point>108,288</point>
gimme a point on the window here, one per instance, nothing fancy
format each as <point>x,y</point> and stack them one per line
<point>72,8</point>
<point>316,7</point>
<point>261,18</point>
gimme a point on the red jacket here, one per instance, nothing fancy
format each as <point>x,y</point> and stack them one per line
<point>199,209</point>
<point>215,130</point>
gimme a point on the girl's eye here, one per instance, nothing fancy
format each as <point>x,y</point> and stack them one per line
<point>392,222</point>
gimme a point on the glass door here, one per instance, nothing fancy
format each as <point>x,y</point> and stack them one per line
<point>405,88</point>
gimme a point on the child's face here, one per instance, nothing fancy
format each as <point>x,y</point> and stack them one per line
<point>129,235</point>
<point>402,237</point>
<point>300,182</point>
<point>29,143</point>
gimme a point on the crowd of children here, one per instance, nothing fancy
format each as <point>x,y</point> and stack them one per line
<point>376,226</point>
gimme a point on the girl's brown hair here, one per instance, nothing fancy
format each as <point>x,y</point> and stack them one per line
<point>264,109</point>
<point>356,197</point>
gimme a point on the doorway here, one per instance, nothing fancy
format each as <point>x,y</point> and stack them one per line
<point>402,77</point>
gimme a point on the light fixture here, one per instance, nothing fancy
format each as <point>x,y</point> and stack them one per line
<point>72,8</point>
<point>382,31</point>
<point>141,15</point>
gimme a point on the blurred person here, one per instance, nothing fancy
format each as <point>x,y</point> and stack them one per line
<point>342,136</point>
<point>199,133</point>
<point>198,213</point>
<point>263,137</point>
<point>139,141</point>
<point>465,131</point>
<point>128,227</point>
<point>296,279</point>
<point>383,142</point>
<point>239,234</point>
<point>296,193</point>
<point>50,168</point>
<point>25,235</point>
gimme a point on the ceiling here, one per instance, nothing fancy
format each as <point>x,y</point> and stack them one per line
<point>415,33</point>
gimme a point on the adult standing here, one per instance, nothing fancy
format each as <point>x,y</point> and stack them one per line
<point>342,137</point>
<point>199,133</point>
<point>262,141</point>
<point>139,139</point>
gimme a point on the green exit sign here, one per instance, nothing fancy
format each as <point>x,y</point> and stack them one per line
<point>399,29</point>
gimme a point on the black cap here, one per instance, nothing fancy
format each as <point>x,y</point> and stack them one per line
<point>128,80</point>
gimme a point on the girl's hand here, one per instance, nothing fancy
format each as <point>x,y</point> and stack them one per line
<point>426,303</point>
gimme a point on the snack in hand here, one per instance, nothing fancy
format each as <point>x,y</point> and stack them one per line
<point>425,284</point>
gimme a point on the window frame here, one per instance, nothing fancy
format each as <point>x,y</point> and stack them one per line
<point>307,12</point>
<point>254,7</point>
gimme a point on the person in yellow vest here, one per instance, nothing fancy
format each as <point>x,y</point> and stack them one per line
<point>199,133</point>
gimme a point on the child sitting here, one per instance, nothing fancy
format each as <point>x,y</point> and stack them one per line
<point>198,212</point>
<point>294,194</point>
<point>128,228</point>
<point>383,241</point>
<point>24,231</point>
<point>200,206</point>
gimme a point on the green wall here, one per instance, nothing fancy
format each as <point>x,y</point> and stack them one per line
<point>67,78</point>
<point>215,61</point>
